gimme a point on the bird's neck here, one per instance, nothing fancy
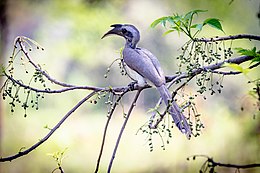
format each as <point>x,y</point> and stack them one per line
<point>129,44</point>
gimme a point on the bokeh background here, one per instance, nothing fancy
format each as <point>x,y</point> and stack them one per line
<point>70,32</point>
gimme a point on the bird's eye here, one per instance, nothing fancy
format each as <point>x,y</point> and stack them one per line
<point>124,30</point>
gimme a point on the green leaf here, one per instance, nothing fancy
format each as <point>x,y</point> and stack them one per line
<point>173,20</point>
<point>213,22</point>
<point>254,49</point>
<point>190,14</point>
<point>197,26</point>
<point>247,52</point>
<point>169,31</point>
<point>176,28</point>
<point>161,20</point>
<point>256,59</point>
<point>237,67</point>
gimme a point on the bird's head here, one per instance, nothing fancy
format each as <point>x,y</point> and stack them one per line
<point>129,32</point>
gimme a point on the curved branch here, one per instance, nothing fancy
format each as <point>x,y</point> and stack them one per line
<point>231,37</point>
<point>36,145</point>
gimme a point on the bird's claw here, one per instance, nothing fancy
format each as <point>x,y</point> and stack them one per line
<point>132,85</point>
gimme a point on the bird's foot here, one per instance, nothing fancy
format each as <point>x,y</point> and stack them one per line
<point>132,85</point>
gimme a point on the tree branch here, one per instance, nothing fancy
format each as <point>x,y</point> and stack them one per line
<point>49,91</point>
<point>214,163</point>
<point>234,72</point>
<point>123,128</point>
<point>236,60</point>
<point>231,37</point>
<point>36,145</point>
<point>105,129</point>
<point>211,164</point>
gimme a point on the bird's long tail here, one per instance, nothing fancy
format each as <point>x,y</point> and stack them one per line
<point>175,111</point>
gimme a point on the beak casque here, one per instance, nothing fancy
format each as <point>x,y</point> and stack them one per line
<point>116,30</point>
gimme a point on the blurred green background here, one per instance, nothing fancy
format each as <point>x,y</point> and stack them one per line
<point>70,32</point>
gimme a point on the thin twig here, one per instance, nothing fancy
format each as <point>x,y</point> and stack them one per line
<point>26,53</point>
<point>61,170</point>
<point>105,130</point>
<point>123,128</point>
<point>36,145</point>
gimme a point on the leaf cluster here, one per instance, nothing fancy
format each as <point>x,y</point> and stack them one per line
<point>247,52</point>
<point>250,52</point>
<point>184,23</point>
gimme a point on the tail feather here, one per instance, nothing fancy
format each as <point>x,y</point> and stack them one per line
<point>175,111</point>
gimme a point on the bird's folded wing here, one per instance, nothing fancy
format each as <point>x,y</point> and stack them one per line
<point>154,60</point>
<point>145,64</point>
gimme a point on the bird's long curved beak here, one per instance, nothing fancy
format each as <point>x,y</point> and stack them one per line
<point>116,30</point>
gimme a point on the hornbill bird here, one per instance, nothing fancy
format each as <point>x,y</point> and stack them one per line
<point>144,66</point>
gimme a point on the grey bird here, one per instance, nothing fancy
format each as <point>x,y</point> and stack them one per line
<point>144,65</point>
